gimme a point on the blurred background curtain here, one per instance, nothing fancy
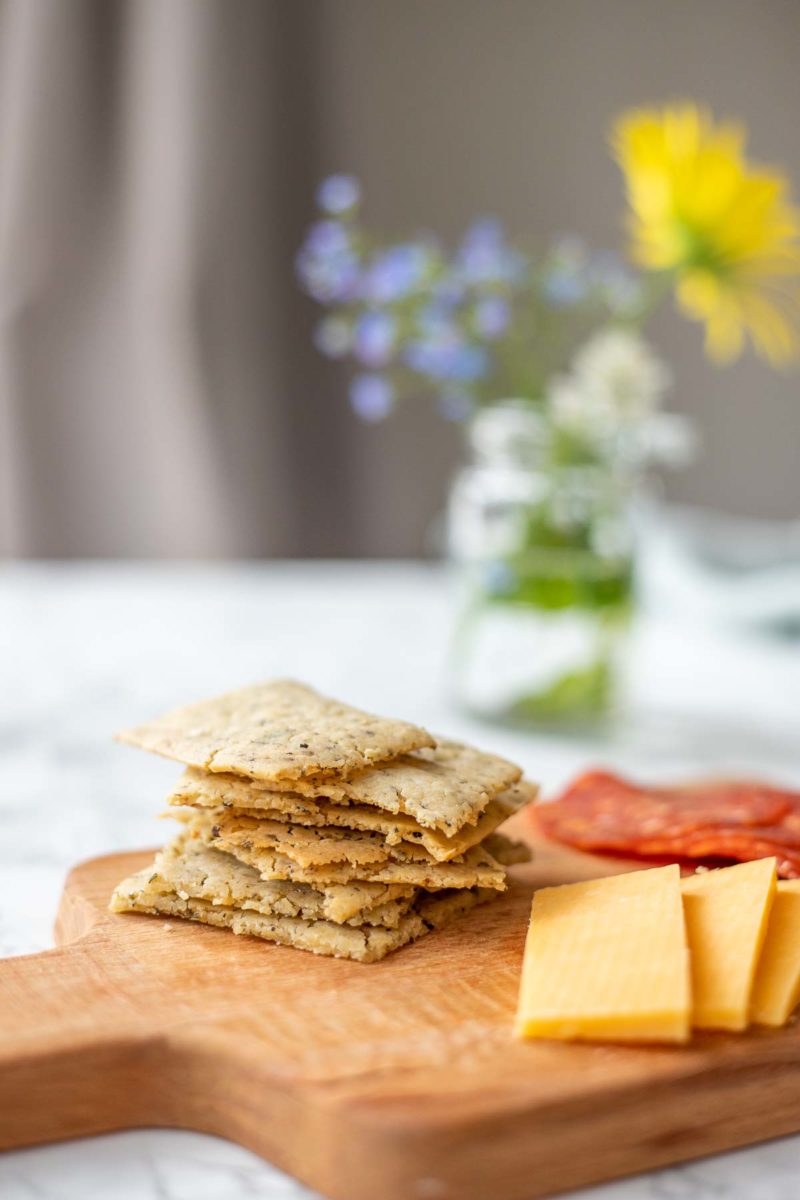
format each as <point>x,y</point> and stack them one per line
<point>159,395</point>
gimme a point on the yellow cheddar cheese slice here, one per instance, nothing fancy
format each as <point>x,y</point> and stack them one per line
<point>726,919</point>
<point>607,960</point>
<point>776,990</point>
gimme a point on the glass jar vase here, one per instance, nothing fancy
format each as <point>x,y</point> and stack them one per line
<point>542,535</point>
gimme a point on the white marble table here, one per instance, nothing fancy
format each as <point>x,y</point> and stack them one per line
<point>85,649</point>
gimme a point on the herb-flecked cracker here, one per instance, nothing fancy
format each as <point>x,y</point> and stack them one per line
<point>438,909</point>
<point>200,790</point>
<point>276,731</point>
<point>476,868</point>
<point>307,846</point>
<point>400,835</point>
<point>444,788</point>
<point>312,847</point>
<point>362,943</point>
<point>187,865</point>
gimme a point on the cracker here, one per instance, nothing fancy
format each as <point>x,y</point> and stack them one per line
<point>365,943</point>
<point>506,850</point>
<point>188,865</point>
<point>276,731</point>
<point>200,790</point>
<point>308,847</point>
<point>319,849</point>
<point>476,868</point>
<point>444,788</point>
<point>438,909</point>
<point>318,846</point>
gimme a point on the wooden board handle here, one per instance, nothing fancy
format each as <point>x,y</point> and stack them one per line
<point>66,1069</point>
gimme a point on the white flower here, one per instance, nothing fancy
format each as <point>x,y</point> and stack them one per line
<point>618,366</point>
<point>569,404</point>
<point>616,382</point>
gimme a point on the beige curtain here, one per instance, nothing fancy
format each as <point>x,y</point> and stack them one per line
<point>157,391</point>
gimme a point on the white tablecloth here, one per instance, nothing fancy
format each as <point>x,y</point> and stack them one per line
<point>86,649</point>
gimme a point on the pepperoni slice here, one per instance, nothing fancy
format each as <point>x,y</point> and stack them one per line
<point>733,820</point>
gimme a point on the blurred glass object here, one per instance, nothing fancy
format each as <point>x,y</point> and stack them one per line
<point>705,567</point>
<point>541,531</point>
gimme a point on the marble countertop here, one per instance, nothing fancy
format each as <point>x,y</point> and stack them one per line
<point>86,649</point>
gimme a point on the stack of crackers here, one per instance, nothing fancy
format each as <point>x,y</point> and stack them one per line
<point>312,824</point>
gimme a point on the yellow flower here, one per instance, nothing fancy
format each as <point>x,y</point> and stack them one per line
<point>724,228</point>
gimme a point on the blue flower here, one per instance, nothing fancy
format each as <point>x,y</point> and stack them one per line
<point>327,265</point>
<point>371,397</point>
<point>374,338</point>
<point>492,316</point>
<point>338,194</point>
<point>486,257</point>
<point>443,353</point>
<point>327,237</point>
<point>396,272</point>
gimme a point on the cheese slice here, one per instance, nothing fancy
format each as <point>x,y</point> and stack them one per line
<point>777,987</point>
<point>607,960</point>
<point>726,919</point>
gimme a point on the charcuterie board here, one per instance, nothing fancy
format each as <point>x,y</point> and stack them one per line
<point>397,1080</point>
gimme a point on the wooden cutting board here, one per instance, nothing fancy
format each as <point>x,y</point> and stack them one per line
<point>398,1080</point>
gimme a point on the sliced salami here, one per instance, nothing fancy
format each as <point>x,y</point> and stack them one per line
<point>731,820</point>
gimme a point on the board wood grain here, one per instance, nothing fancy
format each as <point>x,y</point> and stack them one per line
<point>399,1079</point>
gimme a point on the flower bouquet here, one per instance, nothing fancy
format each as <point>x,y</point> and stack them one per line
<point>542,354</point>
